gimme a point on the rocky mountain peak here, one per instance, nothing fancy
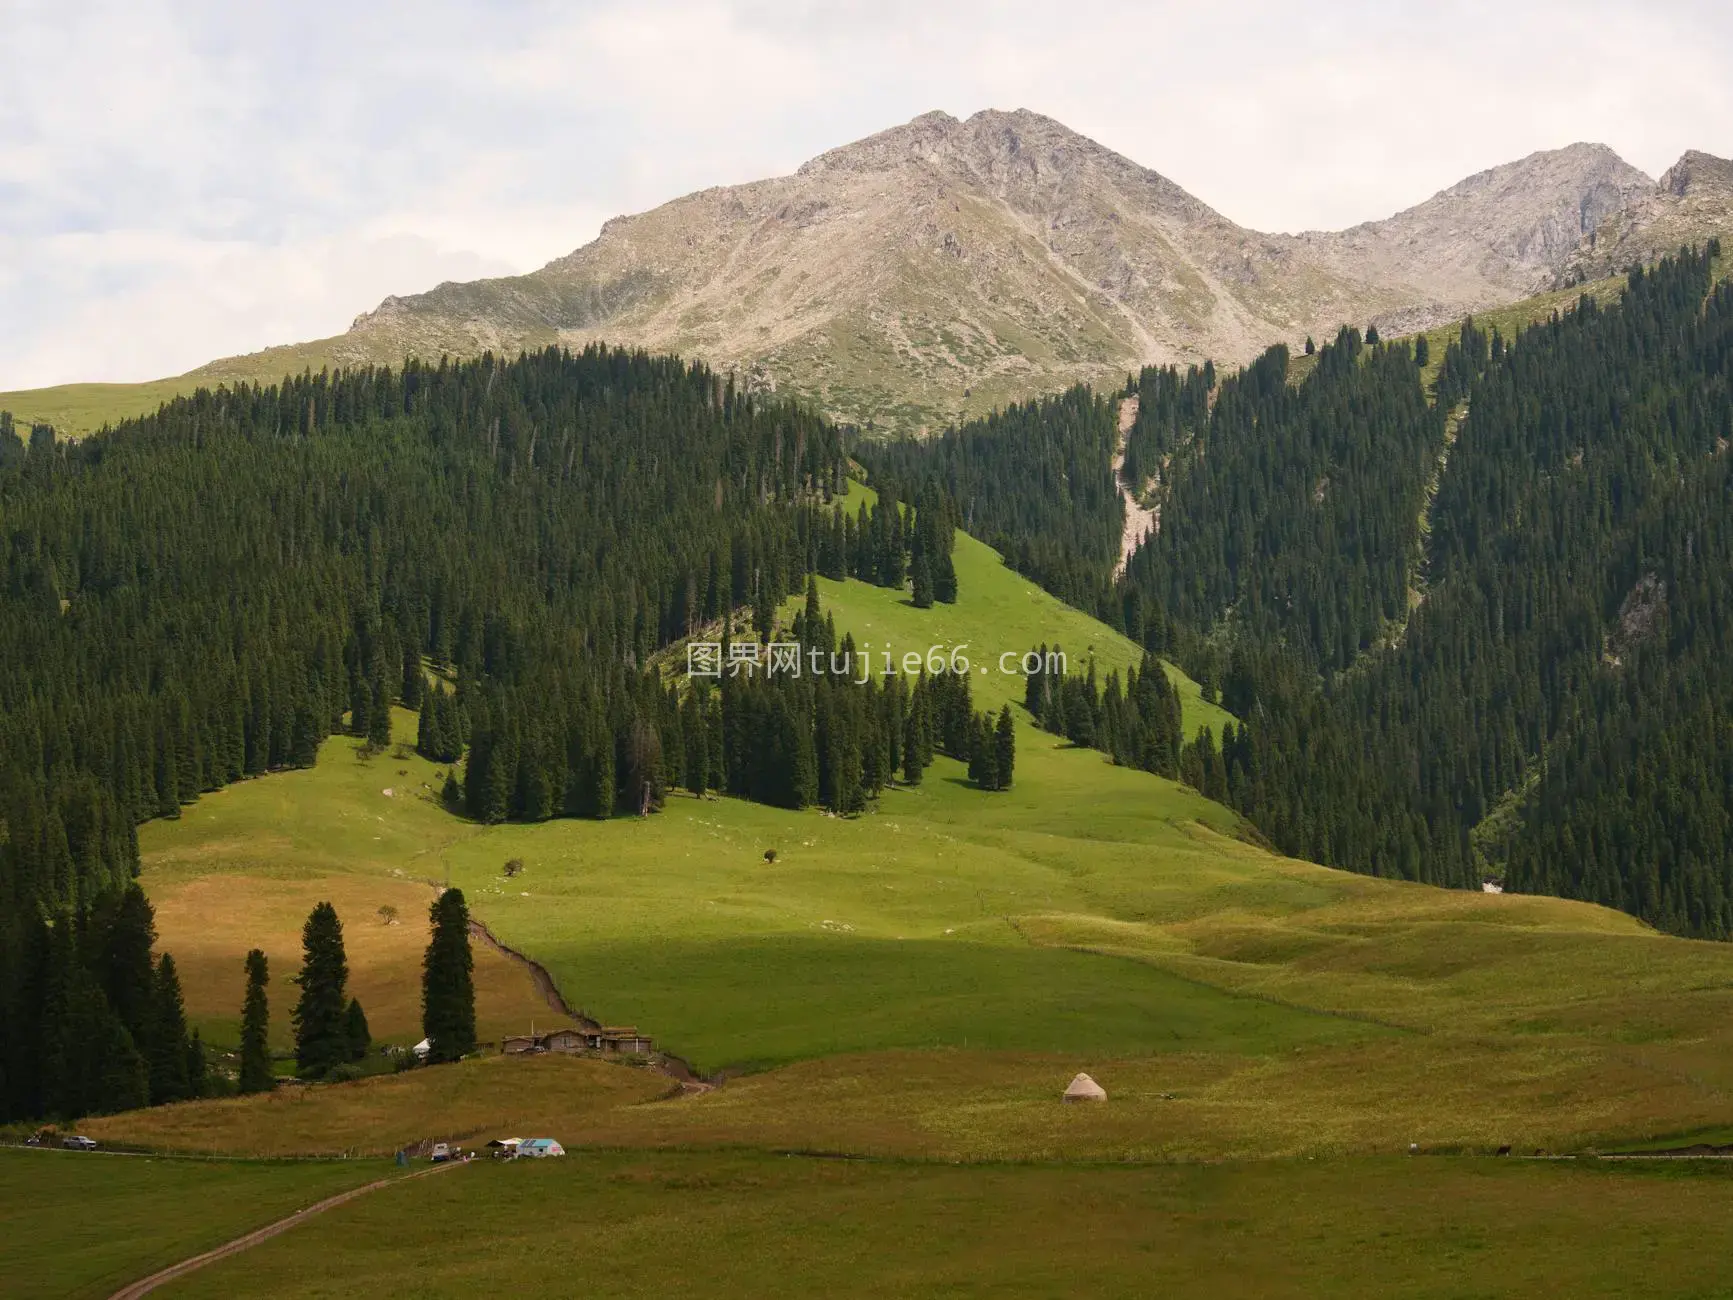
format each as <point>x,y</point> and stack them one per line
<point>948,266</point>
<point>919,140</point>
<point>1696,173</point>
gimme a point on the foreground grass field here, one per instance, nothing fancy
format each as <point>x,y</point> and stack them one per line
<point>76,1224</point>
<point>750,1225</point>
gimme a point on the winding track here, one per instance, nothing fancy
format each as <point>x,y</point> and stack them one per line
<point>146,1285</point>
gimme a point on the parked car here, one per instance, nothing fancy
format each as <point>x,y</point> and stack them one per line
<point>78,1142</point>
<point>34,1140</point>
<point>441,1153</point>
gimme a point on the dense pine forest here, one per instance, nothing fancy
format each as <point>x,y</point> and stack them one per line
<point>1473,633</point>
<point>1034,481</point>
<point>1296,505</point>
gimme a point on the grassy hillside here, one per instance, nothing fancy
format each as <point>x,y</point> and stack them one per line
<point>677,923</point>
<point>382,1114</point>
<point>916,986</point>
<point>78,409</point>
<point>1000,613</point>
<point>1091,917</point>
<point>1509,320</point>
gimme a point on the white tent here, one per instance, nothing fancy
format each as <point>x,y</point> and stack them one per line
<point>1083,1088</point>
<point>422,1048</point>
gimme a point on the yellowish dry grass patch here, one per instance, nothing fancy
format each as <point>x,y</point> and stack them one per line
<point>209,923</point>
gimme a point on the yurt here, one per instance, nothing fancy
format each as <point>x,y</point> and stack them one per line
<point>1083,1088</point>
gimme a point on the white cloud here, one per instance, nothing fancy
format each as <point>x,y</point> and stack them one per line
<point>134,305</point>
<point>189,178</point>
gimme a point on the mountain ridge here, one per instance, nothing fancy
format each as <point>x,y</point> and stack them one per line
<point>941,267</point>
<point>945,267</point>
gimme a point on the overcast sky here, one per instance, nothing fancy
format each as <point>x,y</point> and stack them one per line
<point>182,181</point>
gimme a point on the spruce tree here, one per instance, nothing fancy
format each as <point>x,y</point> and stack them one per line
<point>448,981</point>
<point>811,614</point>
<point>167,1049</point>
<point>321,1011</point>
<point>90,1064</point>
<point>945,579</point>
<point>198,1069</point>
<point>413,689</point>
<point>697,774</point>
<point>305,735</point>
<point>360,1040</point>
<point>256,1073</point>
<point>125,930</point>
<point>379,713</point>
<point>913,759</point>
<point>1005,743</point>
<point>923,582</point>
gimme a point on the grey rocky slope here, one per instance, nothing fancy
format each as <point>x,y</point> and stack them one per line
<point>1692,202</point>
<point>945,267</point>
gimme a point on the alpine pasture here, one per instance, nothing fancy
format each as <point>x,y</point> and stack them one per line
<point>915,986</point>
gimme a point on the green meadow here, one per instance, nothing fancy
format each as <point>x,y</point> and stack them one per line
<point>81,1224</point>
<point>747,1224</point>
<point>922,979</point>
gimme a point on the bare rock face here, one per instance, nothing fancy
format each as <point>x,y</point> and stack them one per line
<point>943,268</point>
<point>1691,204</point>
<point>1501,234</point>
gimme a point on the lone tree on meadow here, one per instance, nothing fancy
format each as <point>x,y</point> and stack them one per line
<point>256,1075</point>
<point>322,1011</point>
<point>448,981</point>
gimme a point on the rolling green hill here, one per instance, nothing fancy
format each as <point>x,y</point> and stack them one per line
<point>920,982</point>
<point>1092,916</point>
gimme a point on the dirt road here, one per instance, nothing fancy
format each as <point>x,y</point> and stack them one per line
<point>144,1286</point>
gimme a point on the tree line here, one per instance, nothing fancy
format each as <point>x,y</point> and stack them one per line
<point>831,728</point>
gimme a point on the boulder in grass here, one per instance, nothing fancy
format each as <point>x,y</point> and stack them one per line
<point>1083,1088</point>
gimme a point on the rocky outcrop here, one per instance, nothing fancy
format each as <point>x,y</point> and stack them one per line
<point>1691,204</point>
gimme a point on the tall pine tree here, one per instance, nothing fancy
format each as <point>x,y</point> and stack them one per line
<point>448,981</point>
<point>321,1012</point>
<point>256,1073</point>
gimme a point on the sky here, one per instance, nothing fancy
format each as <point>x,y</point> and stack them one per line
<point>181,181</point>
